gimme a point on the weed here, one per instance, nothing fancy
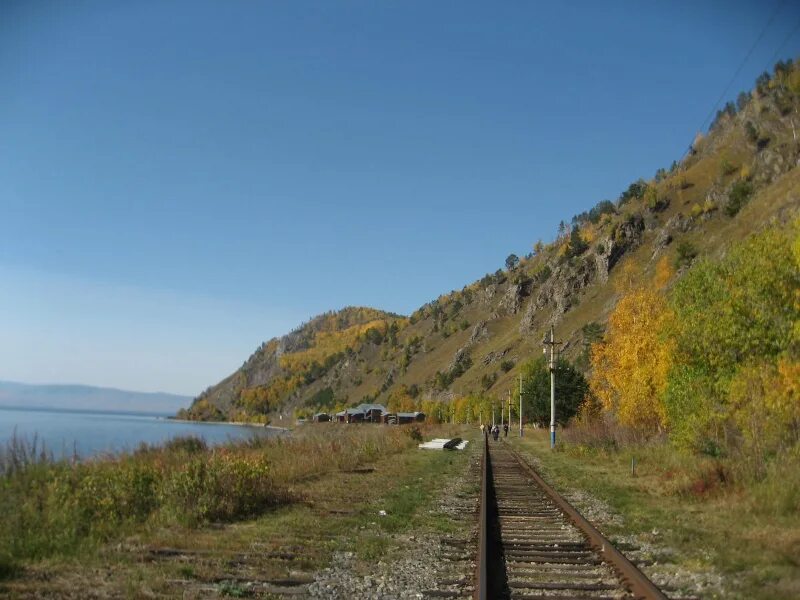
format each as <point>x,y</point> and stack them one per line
<point>372,547</point>
<point>234,590</point>
<point>414,433</point>
<point>186,571</point>
<point>7,569</point>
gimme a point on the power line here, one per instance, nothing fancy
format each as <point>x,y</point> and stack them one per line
<point>744,61</point>
<point>785,41</point>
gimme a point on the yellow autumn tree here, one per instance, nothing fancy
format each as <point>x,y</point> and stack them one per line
<point>630,366</point>
<point>400,400</point>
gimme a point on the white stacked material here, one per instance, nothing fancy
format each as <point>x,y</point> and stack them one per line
<point>438,444</point>
<point>435,444</point>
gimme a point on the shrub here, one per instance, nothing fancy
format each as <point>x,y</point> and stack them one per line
<point>685,254</point>
<point>654,201</point>
<point>186,443</point>
<point>506,365</point>
<point>488,380</point>
<point>217,488</point>
<point>414,433</point>
<point>739,196</point>
<point>542,274</point>
<point>751,132</point>
<point>727,167</point>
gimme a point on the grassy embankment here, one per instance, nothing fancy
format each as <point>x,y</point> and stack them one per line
<point>748,532</point>
<point>212,520</point>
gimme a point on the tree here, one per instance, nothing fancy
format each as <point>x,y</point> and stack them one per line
<point>322,399</point>
<point>762,83</point>
<point>401,401</point>
<point>392,334</point>
<point>635,191</point>
<point>538,247</point>
<point>571,390</point>
<point>727,314</point>
<point>629,368</point>
<point>742,100</point>
<point>512,261</point>
<point>601,208</point>
<point>374,336</point>
<point>577,245</point>
<point>592,334</point>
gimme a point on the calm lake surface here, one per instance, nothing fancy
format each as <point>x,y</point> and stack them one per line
<point>91,433</point>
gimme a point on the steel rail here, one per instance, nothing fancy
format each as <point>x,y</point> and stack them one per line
<point>482,566</point>
<point>636,581</point>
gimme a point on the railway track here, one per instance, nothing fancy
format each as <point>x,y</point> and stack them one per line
<point>533,545</point>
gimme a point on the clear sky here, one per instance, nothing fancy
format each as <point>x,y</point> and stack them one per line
<point>181,180</point>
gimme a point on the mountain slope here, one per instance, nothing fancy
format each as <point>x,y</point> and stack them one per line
<point>737,180</point>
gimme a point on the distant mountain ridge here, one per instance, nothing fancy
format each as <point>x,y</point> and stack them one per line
<point>86,397</point>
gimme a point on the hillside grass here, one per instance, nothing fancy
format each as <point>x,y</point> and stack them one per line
<point>692,506</point>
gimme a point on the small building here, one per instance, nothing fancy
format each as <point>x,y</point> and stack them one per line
<point>321,417</point>
<point>410,417</point>
<point>372,412</point>
<point>350,415</point>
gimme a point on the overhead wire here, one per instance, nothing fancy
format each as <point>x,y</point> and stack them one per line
<point>732,80</point>
<point>761,35</point>
<point>785,41</point>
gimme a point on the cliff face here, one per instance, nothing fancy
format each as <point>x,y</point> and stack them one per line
<point>735,181</point>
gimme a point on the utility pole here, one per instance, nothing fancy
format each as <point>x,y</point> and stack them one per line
<point>520,405</point>
<point>492,414</point>
<point>552,343</point>
<point>509,409</point>
<point>502,414</point>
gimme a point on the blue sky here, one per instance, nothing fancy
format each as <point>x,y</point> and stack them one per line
<point>181,180</point>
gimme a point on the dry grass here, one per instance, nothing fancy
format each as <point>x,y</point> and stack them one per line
<point>61,508</point>
<point>338,510</point>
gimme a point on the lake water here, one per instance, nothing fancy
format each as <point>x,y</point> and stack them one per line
<point>91,433</point>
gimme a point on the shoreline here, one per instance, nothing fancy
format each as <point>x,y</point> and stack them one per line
<point>235,423</point>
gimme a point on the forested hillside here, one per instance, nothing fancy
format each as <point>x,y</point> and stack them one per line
<point>672,303</point>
